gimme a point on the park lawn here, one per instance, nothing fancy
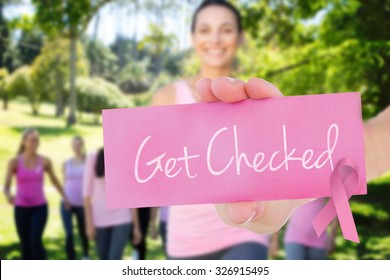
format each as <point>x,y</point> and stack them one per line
<point>371,212</point>
<point>55,144</point>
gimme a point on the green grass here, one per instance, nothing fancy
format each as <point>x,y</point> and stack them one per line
<point>371,212</point>
<point>55,143</point>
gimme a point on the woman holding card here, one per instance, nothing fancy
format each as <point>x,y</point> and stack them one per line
<point>109,227</point>
<point>31,209</point>
<point>194,232</point>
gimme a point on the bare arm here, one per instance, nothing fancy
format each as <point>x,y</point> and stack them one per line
<point>134,217</point>
<point>274,245</point>
<point>377,144</point>
<point>153,220</point>
<point>53,178</point>
<point>270,216</point>
<point>63,172</point>
<point>88,211</point>
<point>11,168</point>
<point>154,214</point>
<point>164,96</point>
<point>137,234</point>
<point>87,194</point>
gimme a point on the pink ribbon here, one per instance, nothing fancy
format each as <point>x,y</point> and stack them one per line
<point>343,182</point>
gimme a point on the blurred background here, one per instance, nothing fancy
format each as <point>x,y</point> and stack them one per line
<point>117,53</point>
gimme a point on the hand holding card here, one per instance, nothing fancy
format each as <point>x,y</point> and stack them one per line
<point>260,216</point>
<point>280,151</point>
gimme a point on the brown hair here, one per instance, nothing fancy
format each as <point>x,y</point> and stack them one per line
<point>221,3</point>
<point>25,134</point>
<point>79,138</point>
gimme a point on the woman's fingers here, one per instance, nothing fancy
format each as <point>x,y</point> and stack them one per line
<point>257,88</point>
<point>228,89</point>
<point>232,90</point>
<point>203,87</point>
<point>263,217</point>
<point>240,213</point>
<point>223,89</point>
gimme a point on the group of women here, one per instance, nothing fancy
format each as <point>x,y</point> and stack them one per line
<point>83,198</point>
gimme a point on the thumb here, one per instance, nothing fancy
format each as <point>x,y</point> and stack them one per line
<point>240,213</point>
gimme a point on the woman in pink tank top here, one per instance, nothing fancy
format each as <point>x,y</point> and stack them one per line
<point>30,203</point>
<point>216,33</point>
<point>196,231</point>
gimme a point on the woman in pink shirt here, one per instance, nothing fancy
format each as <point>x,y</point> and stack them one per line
<point>301,241</point>
<point>216,34</point>
<point>196,231</point>
<point>73,170</point>
<point>30,202</point>
<point>109,227</point>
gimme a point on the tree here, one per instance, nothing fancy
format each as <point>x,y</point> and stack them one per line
<point>50,71</point>
<point>134,77</point>
<point>124,49</point>
<point>31,38</point>
<point>3,77</point>
<point>96,94</point>
<point>103,62</point>
<point>68,19</point>
<point>279,22</point>
<point>157,41</point>
<point>20,84</point>
<point>348,50</point>
<point>4,34</point>
<point>7,53</point>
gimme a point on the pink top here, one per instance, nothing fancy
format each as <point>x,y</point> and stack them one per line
<point>164,212</point>
<point>94,187</point>
<point>29,184</point>
<point>197,229</point>
<point>300,228</point>
<point>74,182</point>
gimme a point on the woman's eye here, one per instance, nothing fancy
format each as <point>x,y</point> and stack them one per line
<point>203,31</point>
<point>228,30</point>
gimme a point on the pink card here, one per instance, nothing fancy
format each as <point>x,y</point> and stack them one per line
<point>271,149</point>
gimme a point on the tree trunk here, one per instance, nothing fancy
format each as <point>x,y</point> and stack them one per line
<point>5,101</point>
<point>72,92</point>
<point>158,64</point>
<point>59,103</point>
<point>3,35</point>
<point>34,108</point>
<point>59,94</point>
<point>6,61</point>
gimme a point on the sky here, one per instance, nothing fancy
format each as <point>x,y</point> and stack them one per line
<point>114,20</point>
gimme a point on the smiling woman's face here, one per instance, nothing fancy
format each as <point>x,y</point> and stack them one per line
<point>216,37</point>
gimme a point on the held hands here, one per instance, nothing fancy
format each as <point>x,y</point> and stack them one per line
<point>67,204</point>
<point>91,232</point>
<point>11,199</point>
<point>263,217</point>
<point>153,231</point>
<point>137,235</point>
